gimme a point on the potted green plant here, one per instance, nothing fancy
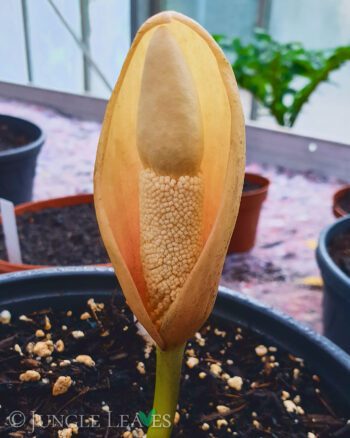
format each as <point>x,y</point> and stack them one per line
<point>20,144</point>
<point>270,70</point>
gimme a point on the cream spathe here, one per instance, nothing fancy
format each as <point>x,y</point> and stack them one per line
<point>170,165</point>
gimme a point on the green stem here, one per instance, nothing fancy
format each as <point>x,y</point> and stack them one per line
<point>166,392</point>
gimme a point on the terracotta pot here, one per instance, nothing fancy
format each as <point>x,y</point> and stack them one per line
<point>6,266</point>
<point>337,209</point>
<point>244,234</point>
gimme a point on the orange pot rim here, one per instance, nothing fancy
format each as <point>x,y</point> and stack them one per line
<point>32,206</point>
<point>337,210</point>
<point>265,183</point>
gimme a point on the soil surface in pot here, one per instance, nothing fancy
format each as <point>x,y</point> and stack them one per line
<point>10,139</point>
<point>234,382</point>
<point>339,250</point>
<point>344,202</point>
<point>63,236</point>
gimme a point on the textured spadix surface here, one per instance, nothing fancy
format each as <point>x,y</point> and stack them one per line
<point>169,174</point>
<point>170,143</point>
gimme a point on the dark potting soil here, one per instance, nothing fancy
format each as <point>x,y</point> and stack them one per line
<point>249,186</point>
<point>279,397</point>
<point>344,202</point>
<point>339,250</point>
<point>10,139</point>
<point>59,236</point>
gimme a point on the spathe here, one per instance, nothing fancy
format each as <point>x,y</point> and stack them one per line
<point>217,141</point>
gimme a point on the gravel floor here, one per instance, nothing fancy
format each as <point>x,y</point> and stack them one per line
<point>281,266</point>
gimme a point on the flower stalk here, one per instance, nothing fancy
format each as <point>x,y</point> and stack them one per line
<point>168,374</point>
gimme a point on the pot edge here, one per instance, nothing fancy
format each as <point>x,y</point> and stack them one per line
<point>14,153</point>
<point>261,190</point>
<point>325,261</point>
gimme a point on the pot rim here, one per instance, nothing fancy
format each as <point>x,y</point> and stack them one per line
<point>61,272</point>
<point>232,306</point>
<point>338,211</point>
<point>13,153</point>
<point>265,182</point>
<point>325,262</point>
<point>38,205</point>
<point>62,201</point>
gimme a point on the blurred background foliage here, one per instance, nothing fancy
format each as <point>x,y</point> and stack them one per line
<point>281,77</point>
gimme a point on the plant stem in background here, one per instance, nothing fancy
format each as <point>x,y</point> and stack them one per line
<point>166,394</point>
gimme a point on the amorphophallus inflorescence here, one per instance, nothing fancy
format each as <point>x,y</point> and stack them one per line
<point>168,181</point>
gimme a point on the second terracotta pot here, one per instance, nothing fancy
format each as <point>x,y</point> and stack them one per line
<point>6,266</point>
<point>338,209</point>
<point>244,235</point>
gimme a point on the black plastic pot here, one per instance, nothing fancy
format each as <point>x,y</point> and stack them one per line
<point>336,298</point>
<point>17,165</point>
<point>70,287</point>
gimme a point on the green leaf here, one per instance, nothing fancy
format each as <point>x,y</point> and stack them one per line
<point>271,71</point>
